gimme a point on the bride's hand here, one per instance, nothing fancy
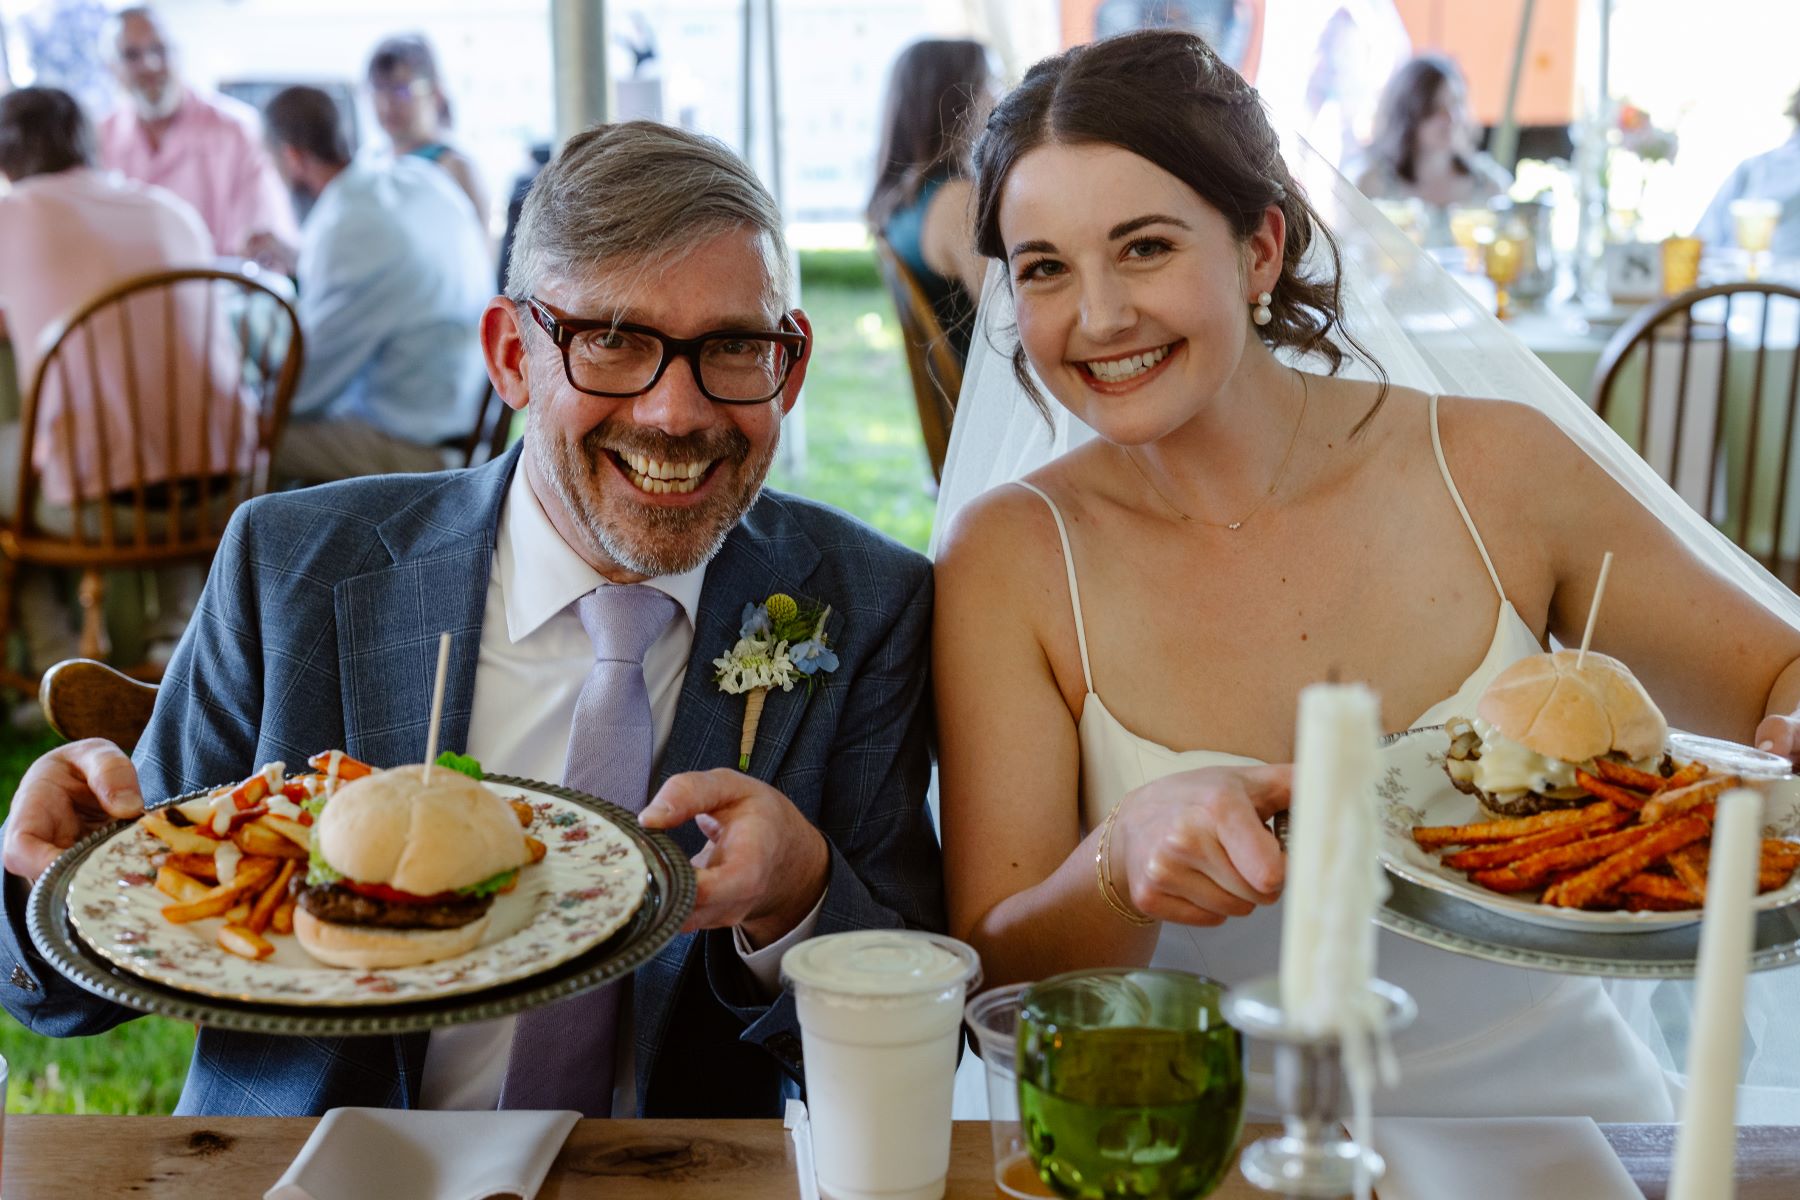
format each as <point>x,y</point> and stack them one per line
<point>1780,735</point>
<point>1192,847</point>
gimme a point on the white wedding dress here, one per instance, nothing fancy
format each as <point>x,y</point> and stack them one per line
<point>1490,1040</point>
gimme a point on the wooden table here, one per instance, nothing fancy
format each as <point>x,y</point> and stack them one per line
<point>81,1158</point>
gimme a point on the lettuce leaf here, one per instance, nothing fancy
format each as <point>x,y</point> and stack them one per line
<point>460,762</point>
<point>490,885</point>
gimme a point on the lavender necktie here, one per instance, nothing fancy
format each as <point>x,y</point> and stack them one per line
<point>563,1054</point>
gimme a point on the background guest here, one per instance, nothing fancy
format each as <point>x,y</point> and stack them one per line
<point>937,92</point>
<point>393,273</point>
<point>204,148</point>
<point>67,233</point>
<point>1772,175</point>
<point>411,106</point>
<point>1424,145</point>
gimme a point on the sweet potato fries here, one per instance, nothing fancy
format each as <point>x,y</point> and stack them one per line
<point>1641,845</point>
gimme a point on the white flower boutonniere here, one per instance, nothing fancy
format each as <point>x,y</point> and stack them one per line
<point>779,644</point>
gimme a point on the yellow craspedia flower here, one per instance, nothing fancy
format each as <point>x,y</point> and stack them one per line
<point>782,608</point>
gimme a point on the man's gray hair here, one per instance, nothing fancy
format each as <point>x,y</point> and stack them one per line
<point>634,192</point>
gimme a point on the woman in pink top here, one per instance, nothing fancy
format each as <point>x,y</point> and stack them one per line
<point>68,233</point>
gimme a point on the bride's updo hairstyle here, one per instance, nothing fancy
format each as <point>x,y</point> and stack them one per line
<point>1166,97</point>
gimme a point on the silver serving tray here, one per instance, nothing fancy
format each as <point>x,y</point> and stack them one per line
<point>1463,928</point>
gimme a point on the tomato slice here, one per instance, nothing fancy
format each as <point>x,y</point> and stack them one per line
<point>295,791</point>
<point>381,891</point>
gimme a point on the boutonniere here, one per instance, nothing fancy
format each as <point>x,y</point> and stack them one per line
<point>779,644</point>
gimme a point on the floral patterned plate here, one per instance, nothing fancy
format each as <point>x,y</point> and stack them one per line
<point>1414,790</point>
<point>591,881</point>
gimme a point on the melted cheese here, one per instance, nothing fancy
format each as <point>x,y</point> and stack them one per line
<point>1506,767</point>
<point>226,857</point>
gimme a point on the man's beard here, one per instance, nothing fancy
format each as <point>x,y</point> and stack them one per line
<point>649,539</point>
<point>160,107</point>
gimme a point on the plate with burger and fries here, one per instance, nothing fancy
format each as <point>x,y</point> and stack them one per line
<point>343,885</point>
<point>1565,801</point>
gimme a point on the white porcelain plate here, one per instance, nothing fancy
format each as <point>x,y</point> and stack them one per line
<point>1414,791</point>
<point>589,884</point>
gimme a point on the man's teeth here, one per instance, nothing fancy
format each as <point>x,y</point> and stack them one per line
<point>1119,369</point>
<point>663,478</point>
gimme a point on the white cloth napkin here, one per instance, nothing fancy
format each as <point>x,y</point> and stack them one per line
<point>415,1154</point>
<point>1429,1158</point>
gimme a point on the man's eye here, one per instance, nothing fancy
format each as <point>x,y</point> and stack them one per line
<point>611,340</point>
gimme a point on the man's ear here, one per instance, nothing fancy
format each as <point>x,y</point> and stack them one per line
<point>503,346</point>
<point>791,392</point>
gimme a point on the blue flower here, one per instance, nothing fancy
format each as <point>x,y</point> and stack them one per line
<point>812,656</point>
<point>755,621</point>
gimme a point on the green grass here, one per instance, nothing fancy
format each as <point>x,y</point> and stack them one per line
<point>863,454</point>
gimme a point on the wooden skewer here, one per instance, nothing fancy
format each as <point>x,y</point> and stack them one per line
<point>437,702</point>
<point>1587,635</point>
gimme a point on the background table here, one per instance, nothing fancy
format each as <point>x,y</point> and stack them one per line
<point>78,1158</point>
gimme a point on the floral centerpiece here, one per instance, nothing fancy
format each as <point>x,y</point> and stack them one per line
<point>779,644</point>
<point>1641,151</point>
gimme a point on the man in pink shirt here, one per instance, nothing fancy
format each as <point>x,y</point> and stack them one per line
<point>67,233</point>
<point>206,149</point>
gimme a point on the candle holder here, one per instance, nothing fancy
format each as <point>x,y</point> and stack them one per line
<point>1312,1158</point>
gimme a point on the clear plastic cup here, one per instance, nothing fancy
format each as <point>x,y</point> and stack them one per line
<point>993,1019</point>
<point>880,1022</point>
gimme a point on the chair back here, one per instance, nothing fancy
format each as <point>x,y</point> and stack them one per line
<point>930,359</point>
<point>153,413</point>
<point>493,428</point>
<point>82,698</point>
<point>1705,387</point>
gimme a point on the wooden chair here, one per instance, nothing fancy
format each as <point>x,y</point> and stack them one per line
<point>1706,387</point>
<point>493,429</point>
<point>205,362</point>
<point>930,359</point>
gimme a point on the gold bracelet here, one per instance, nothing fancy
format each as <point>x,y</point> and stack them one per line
<point>1103,873</point>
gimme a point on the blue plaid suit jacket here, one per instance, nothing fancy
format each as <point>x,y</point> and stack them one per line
<point>319,628</point>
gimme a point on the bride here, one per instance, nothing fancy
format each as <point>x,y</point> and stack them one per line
<point>1122,636</point>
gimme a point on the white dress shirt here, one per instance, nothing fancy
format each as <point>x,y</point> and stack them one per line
<point>533,659</point>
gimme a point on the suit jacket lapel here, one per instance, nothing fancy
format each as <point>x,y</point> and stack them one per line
<point>389,619</point>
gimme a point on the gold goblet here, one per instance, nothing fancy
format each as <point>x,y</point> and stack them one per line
<point>1501,255</point>
<point>1754,221</point>
<point>1467,225</point>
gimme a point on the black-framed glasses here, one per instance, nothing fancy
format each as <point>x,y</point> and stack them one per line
<point>618,359</point>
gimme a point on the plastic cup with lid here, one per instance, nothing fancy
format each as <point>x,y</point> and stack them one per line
<point>880,1024</point>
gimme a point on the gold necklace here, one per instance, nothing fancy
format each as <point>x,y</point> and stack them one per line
<point>1274,484</point>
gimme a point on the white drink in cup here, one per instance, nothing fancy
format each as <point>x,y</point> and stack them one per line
<point>880,1022</point>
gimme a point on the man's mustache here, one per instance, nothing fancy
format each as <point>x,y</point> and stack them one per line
<point>709,444</point>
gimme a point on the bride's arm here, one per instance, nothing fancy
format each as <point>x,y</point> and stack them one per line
<point>1715,660</point>
<point>1020,877</point>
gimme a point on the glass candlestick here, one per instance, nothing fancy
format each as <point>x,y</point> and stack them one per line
<point>1312,1157</point>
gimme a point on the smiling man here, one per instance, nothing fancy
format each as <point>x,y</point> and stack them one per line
<point>588,579</point>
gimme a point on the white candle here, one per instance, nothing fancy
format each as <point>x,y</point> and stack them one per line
<point>1334,878</point>
<point>1706,1141</point>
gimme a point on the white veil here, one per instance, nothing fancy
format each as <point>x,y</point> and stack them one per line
<point>1427,332</point>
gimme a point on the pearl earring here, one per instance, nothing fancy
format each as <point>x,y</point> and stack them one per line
<point>1261,314</point>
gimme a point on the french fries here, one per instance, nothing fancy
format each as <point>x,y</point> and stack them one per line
<point>246,943</point>
<point>535,848</point>
<point>260,840</point>
<point>1642,846</point>
<point>178,885</point>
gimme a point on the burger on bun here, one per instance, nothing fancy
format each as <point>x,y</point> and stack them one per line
<point>1540,720</point>
<point>404,869</point>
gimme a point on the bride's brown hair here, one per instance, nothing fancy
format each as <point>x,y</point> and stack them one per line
<point>1166,97</point>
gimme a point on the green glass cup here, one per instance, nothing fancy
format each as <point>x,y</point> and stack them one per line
<point>1131,1084</point>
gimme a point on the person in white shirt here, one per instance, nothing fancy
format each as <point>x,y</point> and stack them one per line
<point>649,336</point>
<point>392,269</point>
<point>1772,175</point>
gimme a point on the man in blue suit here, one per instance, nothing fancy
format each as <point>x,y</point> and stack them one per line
<point>646,332</point>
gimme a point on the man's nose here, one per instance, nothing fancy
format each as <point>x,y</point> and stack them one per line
<point>676,405</point>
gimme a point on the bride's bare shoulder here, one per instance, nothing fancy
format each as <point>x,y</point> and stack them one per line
<point>1492,434</point>
<point>1009,533</point>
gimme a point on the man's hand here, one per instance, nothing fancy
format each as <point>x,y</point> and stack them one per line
<point>764,866</point>
<point>271,253</point>
<point>66,793</point>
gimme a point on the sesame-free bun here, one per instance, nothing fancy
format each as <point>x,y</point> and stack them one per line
<point>393,827</point>
<point>1547,705</point>
<point>373,948</point>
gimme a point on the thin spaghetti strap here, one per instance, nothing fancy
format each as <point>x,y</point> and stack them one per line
<point>1437,448</point>
<point>1087,676</point>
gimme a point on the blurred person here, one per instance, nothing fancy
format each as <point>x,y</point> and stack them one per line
<point>67,233</point>
<point>203,147</point>
<point>1772,175</point>
<point>936,93</point>
<point>392,272</point>
<point>414,112</point>
<point>1424,146</point>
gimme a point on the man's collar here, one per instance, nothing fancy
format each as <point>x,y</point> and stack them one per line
<point>540,574</point>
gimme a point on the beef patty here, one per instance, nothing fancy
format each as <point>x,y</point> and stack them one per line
<point>329,902</point>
